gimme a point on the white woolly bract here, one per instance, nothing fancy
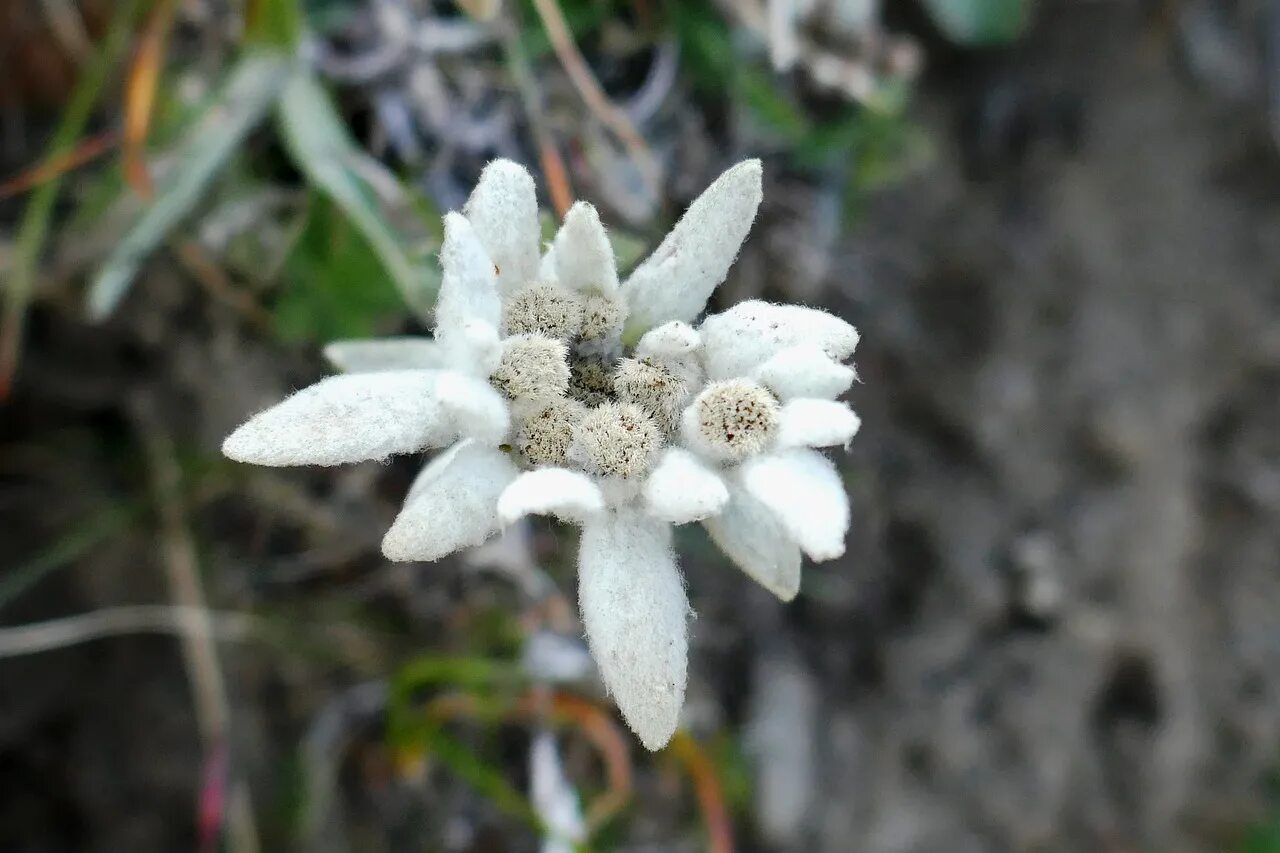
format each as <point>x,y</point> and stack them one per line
<point>816,423</point>
<point>504,210</point>
<point>582,254</point>
<point>804,491</point>
<point>681,489</point>
<point>468,287</point>
<point>360,416</point>
<point>804,371</point>
<point>737,341</point>
<point>675,282</point>
<point>553,797</point>
<point>474,349</point>
<point>670,340</point>
<point>476,410</point>
<point>635,612</point>
<point>568,495</point>
<point>381,354</point>
<point>452,505</point>
<point>752,536</point>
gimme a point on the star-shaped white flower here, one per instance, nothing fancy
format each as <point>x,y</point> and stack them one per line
<point>559,390</point>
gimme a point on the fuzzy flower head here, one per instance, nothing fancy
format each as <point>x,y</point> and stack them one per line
<point>551,387</point>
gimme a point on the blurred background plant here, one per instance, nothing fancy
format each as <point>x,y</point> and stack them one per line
<point>221,188</point>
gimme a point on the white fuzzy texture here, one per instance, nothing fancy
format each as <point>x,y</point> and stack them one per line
<point>475,410</point>
<point>468,287</point>
<point>675,282</point>
<point>816,423</point>
<point>568,495</point>
<point>504,210</point>
<point>474,349</point>
<point>360,416</point>
<point>635,612</point>
<point>804,371</point>
<point>554,798</point>
<point>670,340</point>
<point>379,354</point>
<point>751,535</point>
<point>804,491</point>
<point>452,505</point>
<point>737,341</point>
<point>682,489</point>
<point>582,254</point>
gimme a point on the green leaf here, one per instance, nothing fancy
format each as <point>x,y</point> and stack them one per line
<point>706,45</point>
<point>323,150</point>
<point>250,90</point>
<point>980,23</point>
<point>334,284</point>
<point>761,94</point>
<point>273,23</point>
<point>68,548</point>
<point>487,778</point>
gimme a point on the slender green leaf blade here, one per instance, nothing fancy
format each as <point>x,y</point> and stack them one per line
<point>273,23</point>
<point>255,83</point>
<point>323,150</point>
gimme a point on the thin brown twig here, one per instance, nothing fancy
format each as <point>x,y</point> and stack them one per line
<point>210,275</point>
<point>200,654</point>
<point>60,164</point>
<point>37,637</point>
<point>595,723</point>
<point>706,787</point>
<point>141,83</point>
<point>553,168</point>
<point>593,95</point>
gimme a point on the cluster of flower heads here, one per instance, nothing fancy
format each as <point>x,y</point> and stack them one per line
<point>559,390</point>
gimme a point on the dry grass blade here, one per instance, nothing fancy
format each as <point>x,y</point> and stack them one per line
<point>29,243</point>
<point>599,727</point>
<point>596,724</point>
<point>209,274</point>
<point>182,572</point>
<point>68,27</point>
<point>251,89</point>
<point>553,168</point>
<point>612,116</point>
<point>66,631</point>
<point>59,164</point>
<point>706,787</point>
<point>140,95</point>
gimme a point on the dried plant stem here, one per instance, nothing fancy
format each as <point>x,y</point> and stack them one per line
<point>210,275</point>
<point>30,239</point>
<point>200,653</point>
<point>706,786</point>
<point>117,621</point>
<point>531,100</point>
<point>612,116</point>
<point>140,95</point>
<point>68,27</point>
<point>57,165</point>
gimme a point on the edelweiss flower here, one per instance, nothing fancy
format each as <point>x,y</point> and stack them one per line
<point>560,391</point>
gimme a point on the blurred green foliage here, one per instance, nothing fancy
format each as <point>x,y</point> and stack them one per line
<point>874,143</point>
<point>1263,839</point>
<point>333,284</point>
<point>980,23</point>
